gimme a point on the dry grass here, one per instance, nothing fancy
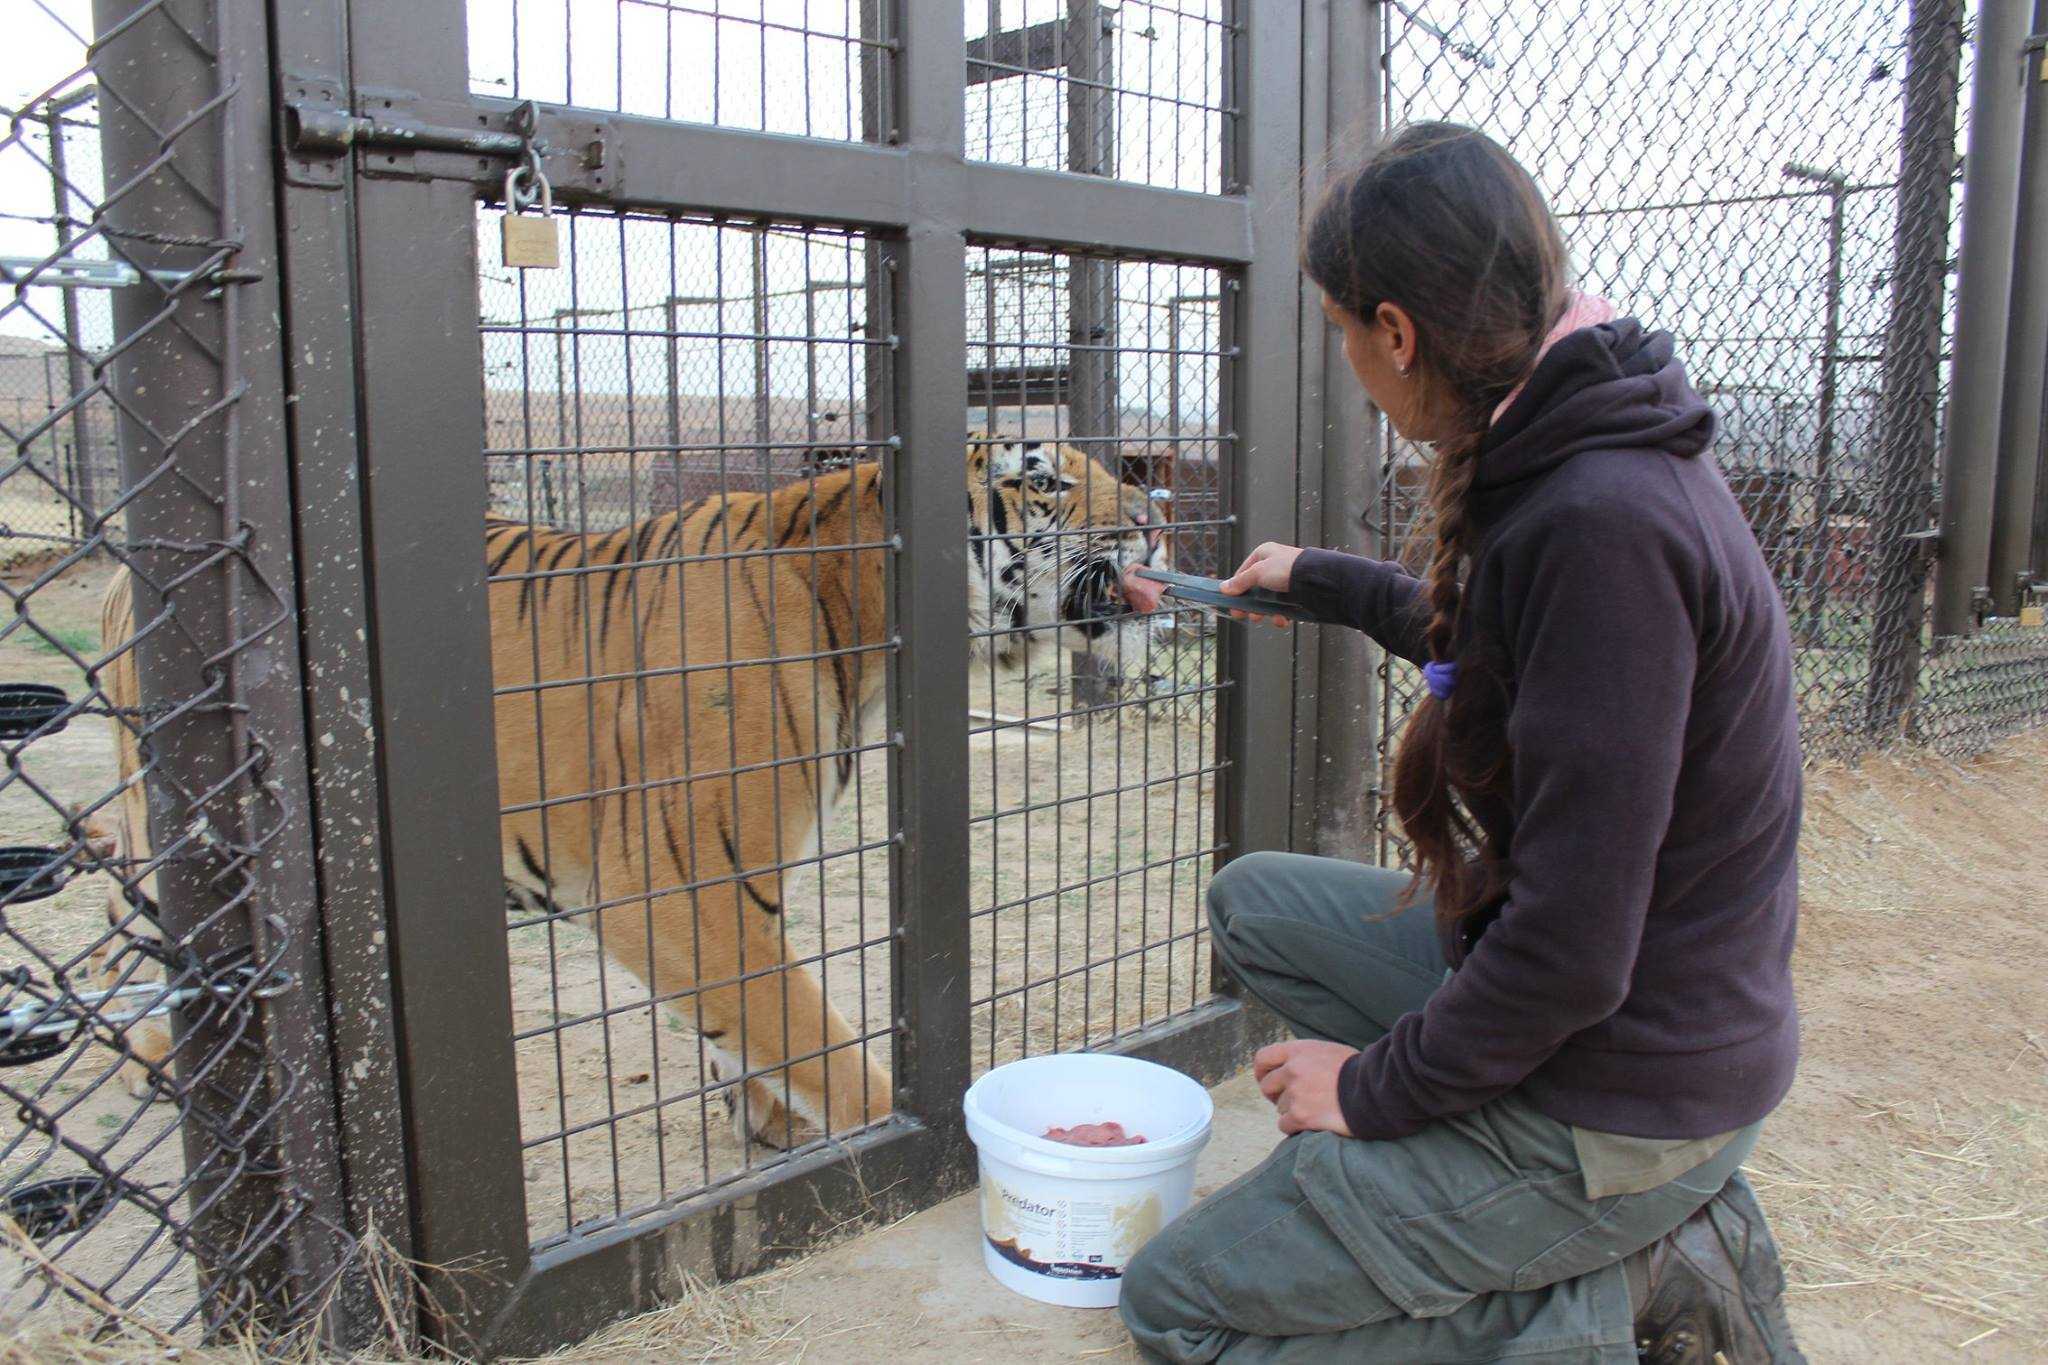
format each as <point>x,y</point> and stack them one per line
<point>1958,1220</point>
<point>710,1322</point>
<point>88,1330</point>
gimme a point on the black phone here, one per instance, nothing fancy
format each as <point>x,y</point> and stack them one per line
<point>1208,592</point>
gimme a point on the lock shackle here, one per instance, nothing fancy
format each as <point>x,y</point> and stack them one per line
<point>526,186</point>
<point>525,183</point>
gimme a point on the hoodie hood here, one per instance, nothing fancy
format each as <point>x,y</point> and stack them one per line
<point>1610,387</point>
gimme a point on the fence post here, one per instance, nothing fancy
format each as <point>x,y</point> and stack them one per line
<point>1093,400</point>
<point>77,381</point>
<point>1909,404</point>
<point>2016,554</point>
<point>1261,321</point>
<point>1818,536</point>
<point>2040,532</point>
<point>1983,309</point>
<point>1341,454</point>
<point>928,578</point>
<point>185,129</point>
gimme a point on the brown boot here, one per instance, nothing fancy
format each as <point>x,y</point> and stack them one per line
<point>1712,1292</point>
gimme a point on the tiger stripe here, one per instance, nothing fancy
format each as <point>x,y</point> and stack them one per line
<point>792,649</point>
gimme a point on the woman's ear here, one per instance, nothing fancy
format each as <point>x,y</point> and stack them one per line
<point>1398,330</point>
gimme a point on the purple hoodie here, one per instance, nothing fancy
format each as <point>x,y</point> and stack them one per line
<point>1635,979</point>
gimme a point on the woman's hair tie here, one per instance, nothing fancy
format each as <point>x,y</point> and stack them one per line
<point>1441,677</point>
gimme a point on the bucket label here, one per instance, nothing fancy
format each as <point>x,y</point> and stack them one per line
<point>1066,1239</point>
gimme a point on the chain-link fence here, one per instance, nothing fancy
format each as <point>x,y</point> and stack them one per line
<point>156,1004</point>
<point>1775,184</point>
<point>73,457</point>
<point>193,1151</point>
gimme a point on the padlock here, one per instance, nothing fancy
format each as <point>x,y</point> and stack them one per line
<point>529,243</point>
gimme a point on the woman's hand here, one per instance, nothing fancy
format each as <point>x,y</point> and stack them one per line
<point>1271,567</point>
<point>1299,1079</point>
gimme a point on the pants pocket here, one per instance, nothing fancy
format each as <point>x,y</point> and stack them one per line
<point>1629,1222</point>
<point>1289,1278</point>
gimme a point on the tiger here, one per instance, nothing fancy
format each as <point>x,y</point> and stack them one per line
<point>710,663</point>
<point>116,836</point>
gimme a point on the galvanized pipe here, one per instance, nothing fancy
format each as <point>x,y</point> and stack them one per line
<point>76,370</point>
<point>1353,454</point>
<point>1817,537</point>
<point>1912,359</point>
<point>2016,557</point>
<point>1990,206</point>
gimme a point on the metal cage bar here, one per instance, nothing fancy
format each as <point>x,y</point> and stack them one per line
<point>797,252</point>
<point>905,184</point>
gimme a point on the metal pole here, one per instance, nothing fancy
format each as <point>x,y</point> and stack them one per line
<point>672,311</point>
<point>1908,427</point>
<point>763,416</point>
<point>550,494</point>
<point>199,375</point>
<point>1091,282</point>
<point>2040,555</point>
<point>1346,700</point>
<point>75,365</point>
<point>1818,534</point>
<point>2040,529</point>
<point>925,310</point>
<point>1173,369</point>
<point>1983,312</point>
<point>1261,317</point>
<point>2015,559</point>
<point>63,460</point>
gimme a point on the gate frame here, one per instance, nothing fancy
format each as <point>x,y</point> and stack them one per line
<point>378,262</point>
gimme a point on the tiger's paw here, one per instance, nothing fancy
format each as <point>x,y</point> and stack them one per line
<point>763,1118</point>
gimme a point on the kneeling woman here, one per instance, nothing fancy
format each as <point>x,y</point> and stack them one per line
<point>1524,1084</point>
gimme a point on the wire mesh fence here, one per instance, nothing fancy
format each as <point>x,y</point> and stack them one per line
<point>146,970</point>
<point>73,460</point>
<point>813,68</point>
<point>690,643</point>
<point>1137,91</point>
<point>1095,757</point>
<point>1772,184</point>
<point>697,582</point>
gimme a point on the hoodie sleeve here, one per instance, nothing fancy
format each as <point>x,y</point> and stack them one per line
<point>1375,596</point>
<point>1603,643</point>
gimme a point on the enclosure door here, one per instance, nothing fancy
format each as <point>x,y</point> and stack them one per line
<point>789,859</point>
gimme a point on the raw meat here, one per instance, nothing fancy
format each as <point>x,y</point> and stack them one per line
<point>1109,1134</point>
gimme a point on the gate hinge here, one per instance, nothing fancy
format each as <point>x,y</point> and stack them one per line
<point>395,134</point>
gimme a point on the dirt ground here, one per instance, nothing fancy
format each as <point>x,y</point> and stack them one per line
<point>1907,1174</point>
<point>1089,845</point>
<point>1090,842</point>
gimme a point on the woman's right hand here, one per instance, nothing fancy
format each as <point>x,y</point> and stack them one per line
<point>1271,567</point>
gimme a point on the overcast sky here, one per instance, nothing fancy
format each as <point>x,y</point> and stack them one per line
<point>1611,103</point>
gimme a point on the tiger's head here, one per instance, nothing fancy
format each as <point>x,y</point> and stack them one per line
<point>1052,534</point>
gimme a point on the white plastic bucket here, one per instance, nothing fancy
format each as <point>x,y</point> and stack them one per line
<point>1059,1223</point>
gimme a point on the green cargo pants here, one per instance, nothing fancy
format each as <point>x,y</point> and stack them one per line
<point>1472,1240</point>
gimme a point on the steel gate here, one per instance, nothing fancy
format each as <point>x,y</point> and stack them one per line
<point>764,290</point>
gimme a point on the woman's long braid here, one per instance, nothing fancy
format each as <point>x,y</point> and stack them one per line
<point>1441,223</point>
<point>1423,795</point>
<point>1450,489</point>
